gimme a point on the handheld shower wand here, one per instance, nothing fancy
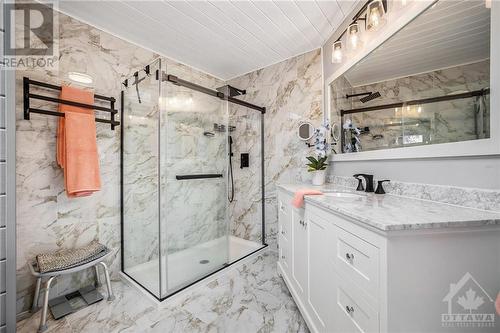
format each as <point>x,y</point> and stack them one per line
<point>230,195</point>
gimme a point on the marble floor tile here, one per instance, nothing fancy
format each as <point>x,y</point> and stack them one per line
<point>249,297</point>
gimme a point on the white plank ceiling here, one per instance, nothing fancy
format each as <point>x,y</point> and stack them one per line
<point>223,38</point>
<point>449,34</point>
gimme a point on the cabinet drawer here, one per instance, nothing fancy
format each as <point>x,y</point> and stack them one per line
<point>358,261</point>
<point>352,312</point>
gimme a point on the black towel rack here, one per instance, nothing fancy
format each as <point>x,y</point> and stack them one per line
<point>27,109</point>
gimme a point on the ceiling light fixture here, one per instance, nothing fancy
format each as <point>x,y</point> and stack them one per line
<point>375,15</point>
<point>337,52</point>
<point>80,77</point>
<point>354,36</point>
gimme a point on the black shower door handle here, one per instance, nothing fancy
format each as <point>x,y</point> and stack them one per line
<point>199,176</point>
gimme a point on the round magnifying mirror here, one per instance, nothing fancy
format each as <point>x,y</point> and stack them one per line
<point>335,132</point>
<point>305,131</point>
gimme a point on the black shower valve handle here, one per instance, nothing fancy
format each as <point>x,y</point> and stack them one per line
<point>380,188</point>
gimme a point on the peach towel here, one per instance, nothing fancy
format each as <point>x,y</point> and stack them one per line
<point>77,145</point>
<point>298,199</point>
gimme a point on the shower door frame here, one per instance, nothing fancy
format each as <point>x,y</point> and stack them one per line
<point>177,81</point>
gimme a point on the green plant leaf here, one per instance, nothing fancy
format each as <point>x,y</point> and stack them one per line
<point>312,159</point>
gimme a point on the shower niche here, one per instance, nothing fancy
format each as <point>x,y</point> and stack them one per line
<point>428,84</point>
<point>177,181</point>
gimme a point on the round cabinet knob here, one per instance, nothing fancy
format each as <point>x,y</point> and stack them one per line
<point>349,256</point>
<point>349,309</point>
<point>282,257</point>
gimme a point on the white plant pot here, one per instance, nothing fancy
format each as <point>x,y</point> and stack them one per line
<point>319,177</point>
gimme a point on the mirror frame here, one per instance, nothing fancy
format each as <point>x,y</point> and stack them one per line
<point>480,147</point>
<point>310,125</point>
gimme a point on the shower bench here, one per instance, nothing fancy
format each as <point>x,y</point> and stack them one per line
<point>51,276</point>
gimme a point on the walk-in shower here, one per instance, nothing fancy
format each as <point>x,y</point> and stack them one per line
<point>177,220</point>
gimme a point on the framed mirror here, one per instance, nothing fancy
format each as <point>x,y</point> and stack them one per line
<point>305,131</point>
<point>426,91</point>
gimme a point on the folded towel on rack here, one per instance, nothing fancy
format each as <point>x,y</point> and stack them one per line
<point>77,145</point>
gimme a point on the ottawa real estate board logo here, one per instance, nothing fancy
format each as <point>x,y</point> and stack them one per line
<point>469,305</point>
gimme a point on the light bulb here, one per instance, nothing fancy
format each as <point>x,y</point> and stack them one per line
<point>404,3</point>
<point>375,15</point>
<point>337,52</point>
<point>419,110</point>
<point>354,36</point>
<point>80,77</point>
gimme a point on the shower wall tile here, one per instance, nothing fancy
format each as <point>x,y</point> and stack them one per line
<point>292,92</point>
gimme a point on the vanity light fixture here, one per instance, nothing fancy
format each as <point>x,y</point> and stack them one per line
<point>337,52</point>
<point>80,77</point>
<point>375,15</point>
<point>353,36</point>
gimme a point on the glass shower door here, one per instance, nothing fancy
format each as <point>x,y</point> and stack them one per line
<point>140,185</point>
<point>193,167</point>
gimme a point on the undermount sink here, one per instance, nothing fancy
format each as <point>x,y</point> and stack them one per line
<point>344,194</point>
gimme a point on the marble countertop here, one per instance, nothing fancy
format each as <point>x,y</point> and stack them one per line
<point>390,212</point>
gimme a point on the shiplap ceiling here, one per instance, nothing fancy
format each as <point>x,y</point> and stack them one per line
<point>451,33</point>
<point>222,38</point>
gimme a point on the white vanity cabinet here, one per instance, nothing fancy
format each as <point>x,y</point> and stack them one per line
<point>347,276</point>
<point>333,275</point>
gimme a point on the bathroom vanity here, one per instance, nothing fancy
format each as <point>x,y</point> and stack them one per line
<point>361,262</point>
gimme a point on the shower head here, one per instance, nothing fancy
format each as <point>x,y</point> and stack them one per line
<point>370,97</point>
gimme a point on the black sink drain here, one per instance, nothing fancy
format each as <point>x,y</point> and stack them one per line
<point>204,261</point>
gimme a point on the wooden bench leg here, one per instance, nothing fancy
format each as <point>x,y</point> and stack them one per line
<point>108,282</point>
<point>43,319</point>
<point>34,306</point>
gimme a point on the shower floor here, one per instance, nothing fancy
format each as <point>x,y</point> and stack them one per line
<point>186,265</point>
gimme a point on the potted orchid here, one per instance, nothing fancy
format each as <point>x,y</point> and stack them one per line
<point>318,167</point>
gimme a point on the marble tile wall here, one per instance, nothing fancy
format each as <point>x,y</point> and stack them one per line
<point>291,92</point>
<point>437,122</point>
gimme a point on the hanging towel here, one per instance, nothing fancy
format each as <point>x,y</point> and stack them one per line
<point>77,145</point>
<point>298,199</point>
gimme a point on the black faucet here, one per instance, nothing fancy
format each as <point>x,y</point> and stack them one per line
<point>368,181</point>
<point>360,184</point>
